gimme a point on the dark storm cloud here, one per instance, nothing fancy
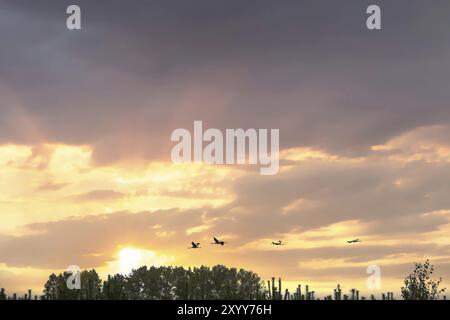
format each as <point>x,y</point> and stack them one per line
<point>138,70</point>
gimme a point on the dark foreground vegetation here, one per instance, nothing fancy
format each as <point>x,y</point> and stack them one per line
<point>218,282</point>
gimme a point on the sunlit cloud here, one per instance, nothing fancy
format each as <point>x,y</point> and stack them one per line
<point>63,181</point>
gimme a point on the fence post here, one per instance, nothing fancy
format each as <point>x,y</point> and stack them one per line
<point>287,295</point>
<point>273,289</point>
<point>279,289</point>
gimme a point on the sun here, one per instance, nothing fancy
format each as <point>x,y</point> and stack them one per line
<point>129,259</point>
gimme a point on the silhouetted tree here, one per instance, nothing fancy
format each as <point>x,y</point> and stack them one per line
<point>56,287</point>
<point>51,288</point>
<point>91,285</point>
<point>162,283</point>
<point>419,286</point>
<point>114,288</point>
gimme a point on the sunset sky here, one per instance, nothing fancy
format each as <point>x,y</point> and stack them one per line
<point>86,118</point>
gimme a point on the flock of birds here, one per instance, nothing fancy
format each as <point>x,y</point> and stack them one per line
<point>196,245</point>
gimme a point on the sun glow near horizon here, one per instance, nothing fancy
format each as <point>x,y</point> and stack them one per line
<point>129,258</point>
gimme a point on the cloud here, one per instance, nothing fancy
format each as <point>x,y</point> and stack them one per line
<point>310,69</point>
<point>99,195</point>
<point>93,240</point>
<point>386,197</point>
<point>51,186</point>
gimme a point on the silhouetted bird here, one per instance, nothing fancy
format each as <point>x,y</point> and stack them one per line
<point>195,245</point>
<point>217,241</point>
<point>355,240</point>
<point>278,243</point>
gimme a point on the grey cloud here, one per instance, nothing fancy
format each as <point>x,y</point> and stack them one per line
<point>336,191</point>
<point>139,70</point>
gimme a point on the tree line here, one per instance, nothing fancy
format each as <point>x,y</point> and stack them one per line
<point>205,283</point>
<point>161,283</point>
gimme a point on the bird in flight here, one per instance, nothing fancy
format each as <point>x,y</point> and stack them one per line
<point>195,245</point>
<point>217,241</point>
<point>355,240</point>
<point>278,243</point>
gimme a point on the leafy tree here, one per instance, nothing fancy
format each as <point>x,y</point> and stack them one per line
<point>91,285</point>
<point>50,287</point>
<point>114,288</point>
<point>56,287</point>
<point>419,286</point>
<point>2,294</point>
<point>162,283</point>
<point>181,283</point>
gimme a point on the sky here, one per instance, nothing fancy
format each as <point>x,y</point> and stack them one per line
<point>86,118</point>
